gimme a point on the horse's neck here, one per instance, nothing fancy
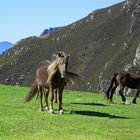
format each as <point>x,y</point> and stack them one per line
<point>57,75</point>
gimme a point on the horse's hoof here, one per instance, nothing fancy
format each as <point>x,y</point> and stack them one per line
<point>61,112</point>
<point>110,102</point>
<point>41,109</point>
<point>47,108</point>
<point>51,111</point>
<point>127,103</point>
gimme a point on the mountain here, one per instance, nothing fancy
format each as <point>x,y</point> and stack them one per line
<point>104,42</point>
<point>50,30</point>
<point>4,46</point>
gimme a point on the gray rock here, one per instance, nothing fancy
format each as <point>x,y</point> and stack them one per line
<point>136,61</point>
<point>103,86</point>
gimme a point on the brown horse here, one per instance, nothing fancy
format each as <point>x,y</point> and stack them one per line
<point>52,76</point>
<point>121,80</point>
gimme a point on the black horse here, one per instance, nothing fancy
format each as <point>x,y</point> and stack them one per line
<point>121,80</point>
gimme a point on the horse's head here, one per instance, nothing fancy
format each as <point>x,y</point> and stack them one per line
<point>62,60</point>
<point>58,68</point>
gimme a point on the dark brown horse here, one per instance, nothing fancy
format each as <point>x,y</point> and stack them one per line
<point>52,76</point>
<point>121,80</point>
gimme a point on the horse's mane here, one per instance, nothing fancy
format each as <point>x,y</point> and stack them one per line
<point>71,78</point>
<point>53,66</point>
<point>58,60</point>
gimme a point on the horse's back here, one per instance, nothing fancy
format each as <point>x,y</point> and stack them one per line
<point>44,63</point>
<point>41,72</point>
<point>122,77</point>
<point>129,79</point>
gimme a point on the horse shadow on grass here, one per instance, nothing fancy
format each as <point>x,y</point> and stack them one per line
<point>94,104</point>
<point>97,114</point>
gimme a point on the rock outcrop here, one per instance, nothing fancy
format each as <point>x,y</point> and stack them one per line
<point>133,7</point>
<point>50,30</point>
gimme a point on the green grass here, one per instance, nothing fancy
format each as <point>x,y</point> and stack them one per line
<point>87,117</point>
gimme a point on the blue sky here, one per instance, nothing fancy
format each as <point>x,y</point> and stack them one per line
<point>23,18</point>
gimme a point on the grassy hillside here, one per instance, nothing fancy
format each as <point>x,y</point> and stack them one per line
<point>87,117</point>
<point>93,42</point>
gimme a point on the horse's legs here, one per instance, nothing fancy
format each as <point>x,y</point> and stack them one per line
<point>110,88</point>
<point>55,95</point>
<point>134,99</point>
<point>60,101</point>
<point>111,94</point>
<point>40,95</point>
<point>51,100</point>
<point>46,99</point>
<point>121,93</point>
<point>107,93</point>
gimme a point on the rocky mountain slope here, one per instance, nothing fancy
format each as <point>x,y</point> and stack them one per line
<point>102,43</point>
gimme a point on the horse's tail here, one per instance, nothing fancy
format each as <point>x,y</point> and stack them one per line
<point>31,93</point>
<point>113,80</point>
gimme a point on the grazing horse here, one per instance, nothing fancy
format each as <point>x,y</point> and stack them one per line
<point>52,76</point>
<point>121,80</point>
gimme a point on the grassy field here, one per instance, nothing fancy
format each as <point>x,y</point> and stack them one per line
<point>87,117</point>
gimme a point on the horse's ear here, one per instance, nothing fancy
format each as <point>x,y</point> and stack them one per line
<point>60,54</point>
